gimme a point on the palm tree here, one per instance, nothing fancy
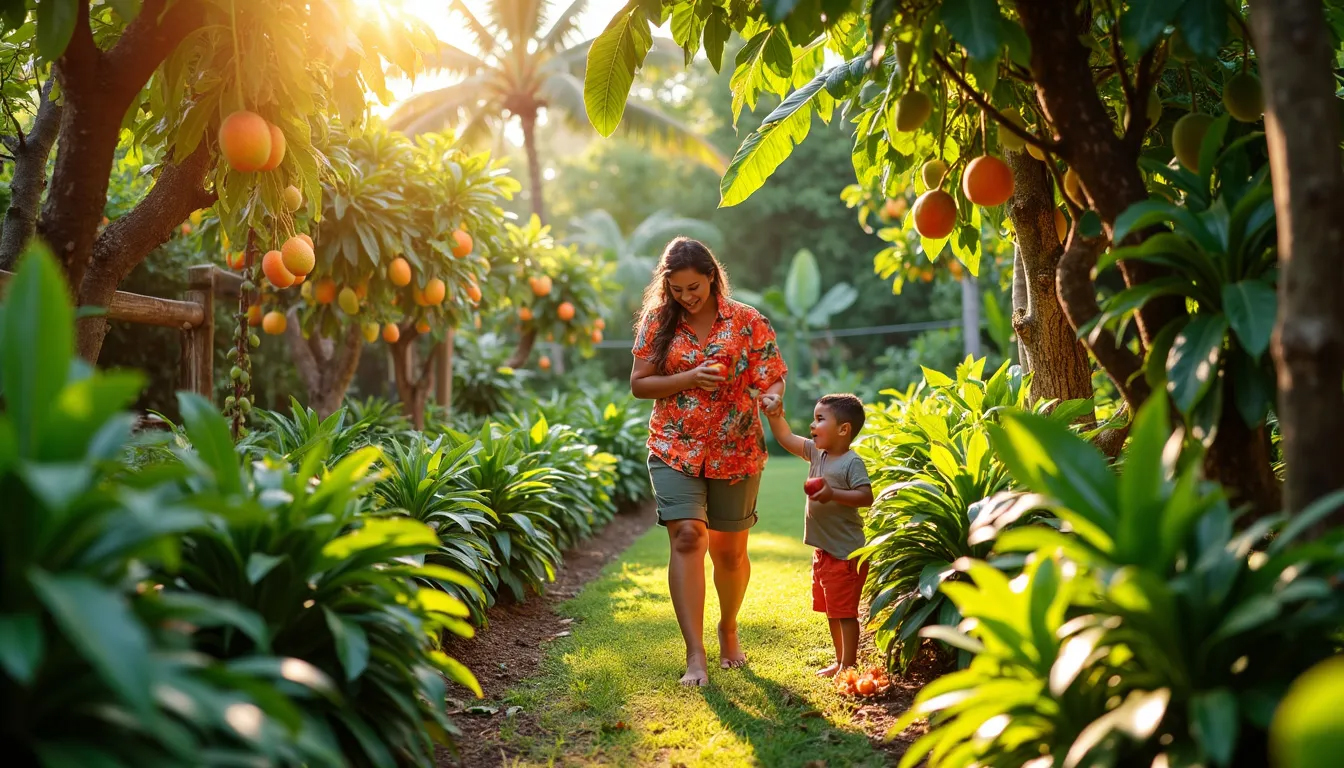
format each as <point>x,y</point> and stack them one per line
<point>523,67</point>
<point>636,254</point>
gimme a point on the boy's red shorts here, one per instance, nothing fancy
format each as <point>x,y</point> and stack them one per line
<point>837,585</point>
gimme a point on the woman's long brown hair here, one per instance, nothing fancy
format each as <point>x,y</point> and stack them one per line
<point>659,306</point>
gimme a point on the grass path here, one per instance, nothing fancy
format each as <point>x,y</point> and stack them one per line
<point>608,694</point>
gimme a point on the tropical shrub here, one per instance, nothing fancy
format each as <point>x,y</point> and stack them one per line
<point>483,383</point>
<point>613,421</point>
<point>1145,630</point>
<point>929,456</point>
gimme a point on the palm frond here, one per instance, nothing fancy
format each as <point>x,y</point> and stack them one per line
<point>642,124</point>
<point>563,27</point>
<point>452,59</point>
<point>661,226</point>
<point>445,106</point>
<point>519,20</point>
<point>598,229</point>
<point>485,39</point>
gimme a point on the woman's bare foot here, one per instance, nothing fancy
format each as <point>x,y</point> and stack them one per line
<point>697,671</point>
<point>730,651</point>
<point>829,671</point>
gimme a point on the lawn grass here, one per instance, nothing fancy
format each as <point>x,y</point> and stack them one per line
<point>608,693</point>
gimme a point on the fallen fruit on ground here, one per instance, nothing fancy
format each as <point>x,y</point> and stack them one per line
<point>391,333</point>
<point>912,109</point>
<point>1243,97</point>
<point>274,323</point>
<point>298,255</point>
<point>245,140</point>
<point>932,173</point>
<point>277,154</point>
<point>987,181</point>
<point>273,266</point>
<point>1188,136</point>
<point>399,272</point>
<point>935,214</point>
<point>462,243</point>
<point>325,291</point>
<point>565,311</point>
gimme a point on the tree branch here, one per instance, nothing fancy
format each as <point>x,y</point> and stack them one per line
<point>30,177</point>
<point>1135,131</point>
<point>998,116</point>
<point>149,39</point>
<point>303,357</point>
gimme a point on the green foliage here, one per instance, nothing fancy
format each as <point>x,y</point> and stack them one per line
<point>931,462</point>
<point>482,384</point>
<point>615,423</point>
<point>1145,629</point>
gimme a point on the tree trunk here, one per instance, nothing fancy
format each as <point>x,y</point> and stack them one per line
<point>1302,127</point>
<point>970,315</point>
<point>1059,365</point>
<point>1021,304</point>
<point>529,121</point>
<point>30,154</point>
<point>414,379</point>
<point>124,244</point>
<point>524,349</point>
<point>1106,164</point>
<point>325,368</point>
<point>443,380</point>
<point>1240,459</point>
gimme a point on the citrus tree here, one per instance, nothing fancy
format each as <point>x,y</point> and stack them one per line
<point>556,292</point>
<point>1118,118</point>
<point>228,100</point>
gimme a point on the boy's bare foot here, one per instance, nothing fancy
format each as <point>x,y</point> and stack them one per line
<point>829,671</point>
<point>697,671</point>
<point>730,652</point>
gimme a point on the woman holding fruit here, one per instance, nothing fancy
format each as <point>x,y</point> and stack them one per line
<point>704,359</point>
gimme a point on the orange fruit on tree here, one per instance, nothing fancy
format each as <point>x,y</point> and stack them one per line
<point>894,208</point>
<point>293,198</point>
<point>422,327</point>
<point>254,315</point>
<point>298,279</point>
<point>476,321</point>
<point>597,336</point>
<point>565,311</point>
<point>1061,225</point>
<point>298,256</point>
<point>277,153</point>
<point>236,260</point>
<point>325,291</point>
<point>544,363</point>
<point>391,333</point>
<point>305,238</point>
<point>987,181</point>
<point>935,214</point>
<point>186,228</point>
<point>525,314</point>
<point>362,289</point>
<point>1073,187</point>
<point>541,286</point>
<point>273,265</point>
<point>600,324</point>
<point>274,323</point>
<point>435,290</point>
<point>245,140</point>
<point>955,268</point>
<point>462,243</point>
<point>473,291</point>
<point>399,272</point>
<point>932,173</point>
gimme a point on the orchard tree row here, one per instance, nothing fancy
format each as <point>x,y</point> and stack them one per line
<point>1164,231</point>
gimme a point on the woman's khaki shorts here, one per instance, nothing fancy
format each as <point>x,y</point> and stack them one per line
<point>722,505</point>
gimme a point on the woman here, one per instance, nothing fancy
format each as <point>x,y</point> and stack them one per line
<point>704,359</point>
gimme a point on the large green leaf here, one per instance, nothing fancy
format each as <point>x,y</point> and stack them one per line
<point>21,646</point>
<point>55,26</point>
<point>612,61</point>
<point>352,643</point>
<point>104,629</point>
<point>976,24</point>
<point>1203,24</point>
<point>1144,21</point>
<point>1251,306</point>
<point>36,343</point>
<point>1192,364</point>
<point>1214,715</point>
<point>802,286</point>
<point>769,145</point>
<point>209,435</point>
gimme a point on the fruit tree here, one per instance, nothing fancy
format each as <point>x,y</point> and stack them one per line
<point>987,116</point>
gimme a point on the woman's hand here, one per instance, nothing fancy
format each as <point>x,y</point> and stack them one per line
<point>705,377</point>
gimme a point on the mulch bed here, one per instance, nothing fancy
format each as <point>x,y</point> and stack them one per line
<point>512,645</point>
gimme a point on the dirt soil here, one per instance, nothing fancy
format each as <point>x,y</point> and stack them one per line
<point>511,647</point>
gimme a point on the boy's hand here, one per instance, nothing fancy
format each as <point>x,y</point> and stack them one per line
<point>772,405</point>
<point>824,494</point>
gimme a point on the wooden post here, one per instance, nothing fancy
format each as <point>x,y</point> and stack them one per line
<point>198,341</point>
<point>443,380</point>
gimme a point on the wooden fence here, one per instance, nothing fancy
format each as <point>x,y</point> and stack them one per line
<point>194,316</point>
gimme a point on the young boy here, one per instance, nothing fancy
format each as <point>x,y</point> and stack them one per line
<point>837,487</point>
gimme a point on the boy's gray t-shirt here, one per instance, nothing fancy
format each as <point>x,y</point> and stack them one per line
<point>831,526</point>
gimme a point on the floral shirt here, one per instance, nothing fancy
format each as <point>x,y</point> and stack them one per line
<point>718,434</point>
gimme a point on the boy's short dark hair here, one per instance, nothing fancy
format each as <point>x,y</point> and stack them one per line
<point>848,409</point>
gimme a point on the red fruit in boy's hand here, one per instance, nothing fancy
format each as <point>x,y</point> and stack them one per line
<point>813,485</point>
